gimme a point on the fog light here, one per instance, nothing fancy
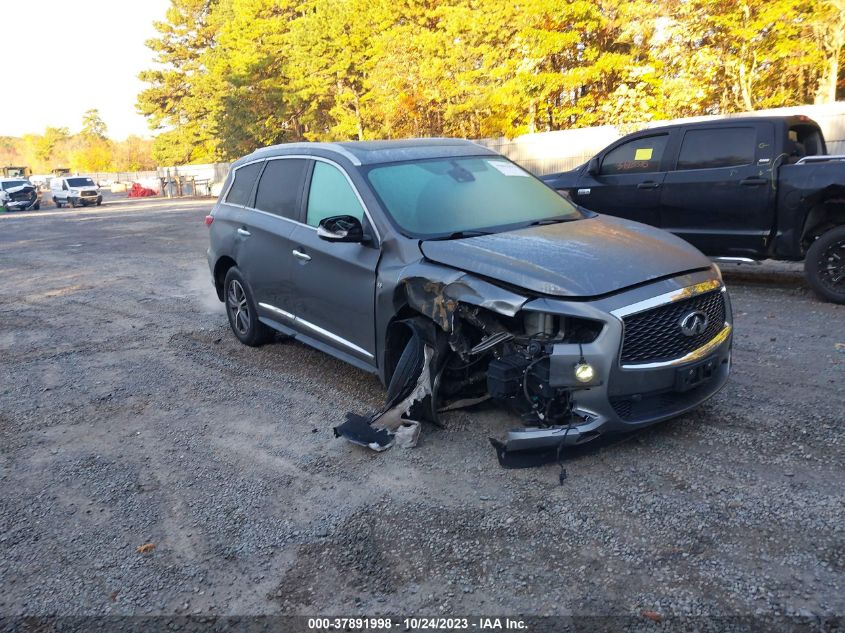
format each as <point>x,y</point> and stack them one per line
<point>584,372</point>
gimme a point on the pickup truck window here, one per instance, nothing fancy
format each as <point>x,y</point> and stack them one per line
<point>807,140</point>
<point>641,155</point>
<point>709,149</point>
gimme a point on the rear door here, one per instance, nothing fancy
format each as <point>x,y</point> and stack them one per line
<point>335,282</point>
<point>267,260</point>
<point>719,195</point>
<point>629,179</point>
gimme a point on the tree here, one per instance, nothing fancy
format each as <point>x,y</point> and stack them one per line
<point>177,101</point>
<point>93,125</point>
<point>239,74</point>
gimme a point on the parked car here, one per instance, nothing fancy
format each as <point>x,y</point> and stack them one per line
<point>739,189</point>
<point>18,194</point>
<point>452,274</point>
<point>75,191</point>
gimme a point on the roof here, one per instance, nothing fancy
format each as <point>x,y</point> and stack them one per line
<point>375,152</point>
<point>788,120</point>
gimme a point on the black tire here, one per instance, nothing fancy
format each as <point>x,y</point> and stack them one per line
<point>825,265</point>
<point>99,201</point>
<point>73,202</point>
<point>36,206</point>
<point>242,311</point>
<point>57,203</point>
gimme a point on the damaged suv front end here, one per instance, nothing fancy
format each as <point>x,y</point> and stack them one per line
<point>458,277</point>
<point>580,324</point>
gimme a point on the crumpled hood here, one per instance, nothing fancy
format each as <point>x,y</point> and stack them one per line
<point>584,258</point>
<point>20,188</point>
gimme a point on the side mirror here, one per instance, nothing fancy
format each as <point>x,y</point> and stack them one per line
<point>341,228</point>
<point>593,166</point>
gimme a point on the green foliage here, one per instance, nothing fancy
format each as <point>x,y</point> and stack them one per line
<point>234,75</point>
<point>90,150</point>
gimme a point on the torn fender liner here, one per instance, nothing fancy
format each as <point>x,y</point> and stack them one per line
<point>411,383</point>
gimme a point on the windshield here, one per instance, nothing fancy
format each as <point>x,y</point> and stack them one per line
<point>80,182</point>
<point>431,198</point>
<point>11,184</point>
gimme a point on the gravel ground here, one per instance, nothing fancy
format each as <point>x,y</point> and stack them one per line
<point>129,415</point>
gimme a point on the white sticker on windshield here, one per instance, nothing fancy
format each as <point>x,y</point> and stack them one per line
<point>508,169</point>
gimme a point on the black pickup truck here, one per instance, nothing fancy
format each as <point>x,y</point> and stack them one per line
<point>739,189</point>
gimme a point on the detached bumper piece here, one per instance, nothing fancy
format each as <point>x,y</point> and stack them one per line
<point>411,384</point>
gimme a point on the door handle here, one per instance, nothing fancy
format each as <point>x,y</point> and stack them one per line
<point>300,255</point>
<point>648,185</point>
<point>753,182</point>
<point>244,232</point>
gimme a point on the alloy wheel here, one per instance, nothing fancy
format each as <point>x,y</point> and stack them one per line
<point>238,307</point>
<point>832,266</point>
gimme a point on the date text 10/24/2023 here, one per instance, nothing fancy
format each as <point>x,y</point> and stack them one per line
<point>415,624</point>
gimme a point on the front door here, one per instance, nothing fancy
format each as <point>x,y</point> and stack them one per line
<point>720,195</point>
<point>629,180</point>
<point>335,281</point>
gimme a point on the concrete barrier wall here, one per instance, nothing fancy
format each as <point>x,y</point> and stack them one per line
<point>550,152</point>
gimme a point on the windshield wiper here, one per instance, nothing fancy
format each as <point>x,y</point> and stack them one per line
<point>458,235</point>
<point>551,221</point>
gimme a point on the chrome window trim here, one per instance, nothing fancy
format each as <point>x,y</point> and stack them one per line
<point>316,328</point>
<point>307,157</point>
<point>694,355</point>
<point>668,297</point>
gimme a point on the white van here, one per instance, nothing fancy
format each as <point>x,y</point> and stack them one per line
<point>75,191</point>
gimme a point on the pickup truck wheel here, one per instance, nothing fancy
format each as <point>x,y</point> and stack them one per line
<point>825,265</point>
<point>242,311</point>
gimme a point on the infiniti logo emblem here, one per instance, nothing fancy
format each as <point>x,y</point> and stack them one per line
<point>694,323</point>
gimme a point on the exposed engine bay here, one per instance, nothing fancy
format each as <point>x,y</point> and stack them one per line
<point>473,354</point>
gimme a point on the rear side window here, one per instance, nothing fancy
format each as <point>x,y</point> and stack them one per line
<point>242,186</point>
<point>331,194</point>
<point>642,155</point>
<point>280,186</point>
<point>709,149</point>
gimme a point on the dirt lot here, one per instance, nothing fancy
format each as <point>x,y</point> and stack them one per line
<point>130,415</point>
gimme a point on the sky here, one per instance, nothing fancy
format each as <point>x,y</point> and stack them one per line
<point>74,56</point>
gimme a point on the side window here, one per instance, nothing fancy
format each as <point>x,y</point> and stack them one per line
<point>709,149</point>
<point>280,186</point>
<point>642,155</point>
<point>242,186</point>
<point>331,194</point>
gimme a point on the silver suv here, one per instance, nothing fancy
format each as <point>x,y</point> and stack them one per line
<point>456,276</point>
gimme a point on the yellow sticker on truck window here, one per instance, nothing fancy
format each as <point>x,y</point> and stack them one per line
<point>643,154</point>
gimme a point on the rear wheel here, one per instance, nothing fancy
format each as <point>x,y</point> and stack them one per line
<point>825,265</point>
<point>242,311</point>
<point>36,206</point>
<point>73,202</point>
<point>57,203</point>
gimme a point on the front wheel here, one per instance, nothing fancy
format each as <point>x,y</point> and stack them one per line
<point>36,206</point>
<point>242,311</point>
<point>825,265</point>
